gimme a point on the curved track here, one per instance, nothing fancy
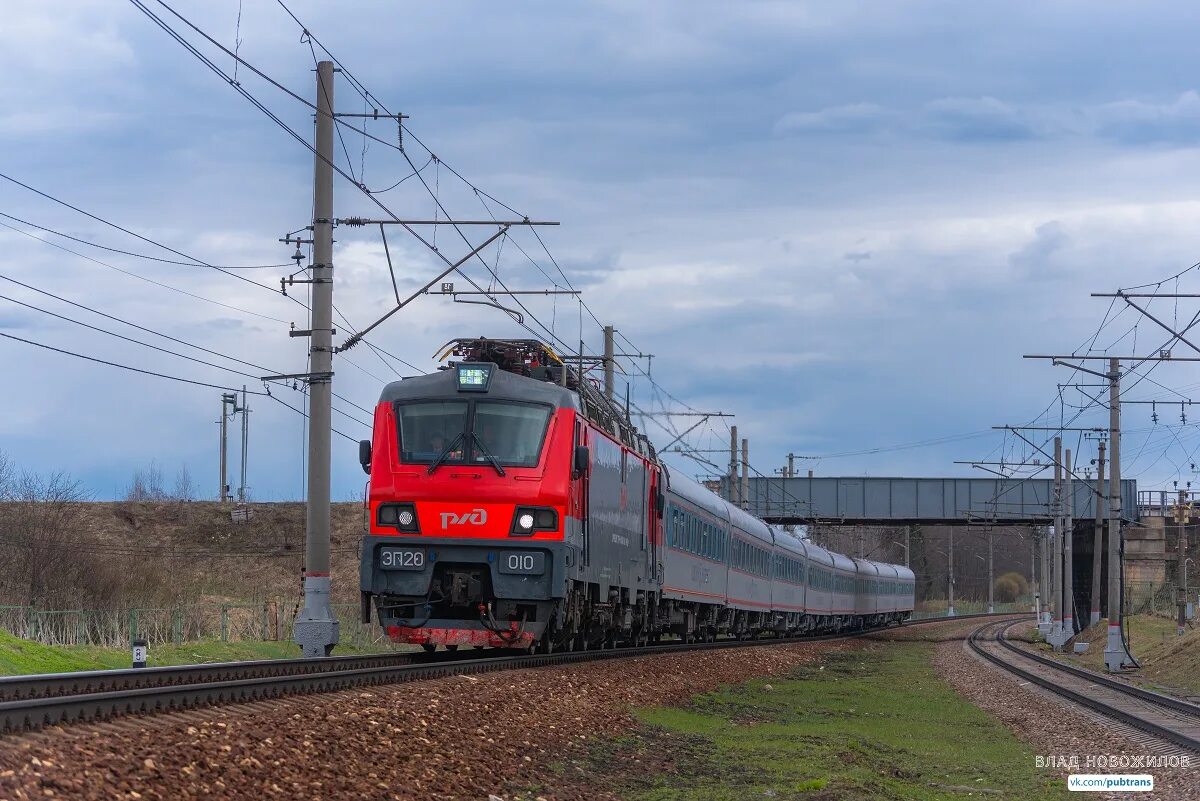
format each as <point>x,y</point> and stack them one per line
<point>31,702</point>
<point>1169,719</point>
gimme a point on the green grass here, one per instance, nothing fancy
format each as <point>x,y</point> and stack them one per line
<point>19,656</point>
<point>867,725</point>
<point>1169,663</point>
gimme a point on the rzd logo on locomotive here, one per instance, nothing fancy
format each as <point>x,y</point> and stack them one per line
<point>475,517</point>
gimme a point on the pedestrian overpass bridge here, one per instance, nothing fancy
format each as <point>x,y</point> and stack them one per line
<point>918,501</point>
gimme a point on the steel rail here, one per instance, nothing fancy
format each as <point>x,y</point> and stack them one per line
<point>1108,710</point>
<point>51,699</point>
<point>1159,699</point>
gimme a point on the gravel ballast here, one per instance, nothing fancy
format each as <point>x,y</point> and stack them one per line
<point>464,737</point>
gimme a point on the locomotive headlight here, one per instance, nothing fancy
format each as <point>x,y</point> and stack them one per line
<point>529,519</point>
<point>401,516</point>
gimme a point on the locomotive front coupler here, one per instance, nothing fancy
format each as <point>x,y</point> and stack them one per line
<point>426,606</point>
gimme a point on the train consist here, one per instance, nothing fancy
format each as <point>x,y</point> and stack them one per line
<point>513,505</point>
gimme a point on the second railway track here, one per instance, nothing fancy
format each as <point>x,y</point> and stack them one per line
<point>1169,719</point>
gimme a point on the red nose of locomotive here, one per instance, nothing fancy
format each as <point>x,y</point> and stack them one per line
<point>470,505</point>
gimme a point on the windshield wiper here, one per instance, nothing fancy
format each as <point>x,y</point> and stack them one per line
<point>486,455</point>
<point>446,451</point>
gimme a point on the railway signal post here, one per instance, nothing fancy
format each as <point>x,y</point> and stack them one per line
<point>316,629</point>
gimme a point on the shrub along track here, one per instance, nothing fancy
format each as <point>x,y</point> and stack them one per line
<point>31,702</point>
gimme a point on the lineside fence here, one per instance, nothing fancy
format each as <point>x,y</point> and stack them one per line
<point>935,607</point>
<point>273,620</point>
<point>1155,598</point>
<point>265,621</point>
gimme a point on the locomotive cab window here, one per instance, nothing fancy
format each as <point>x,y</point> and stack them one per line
<point>457,431</point>
<point>511,432</point>
<point>429,427</point>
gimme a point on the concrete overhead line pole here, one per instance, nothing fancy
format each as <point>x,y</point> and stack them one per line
<point>316,628</point>
<point>1056,552</point>
<point>609,350</point>
<point>745,491</point>
<point>950,576</point>
<point>1115,656</point>
<point>991,576</point>
<point>733,466</point>
<point>228,399</point>
<point>1035,585</point>
<point>1181,520</point>
<point>1068,573</point>
<point>222,483</point>
<point>1043,547</point>
<point>245,412</point>
<point>1098,536</point>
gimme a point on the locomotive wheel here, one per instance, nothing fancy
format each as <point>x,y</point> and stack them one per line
<point>429,647</point>
<point>451,648</point>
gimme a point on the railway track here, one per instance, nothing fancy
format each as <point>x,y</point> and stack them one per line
<point>1169,719</point>
<point>32,702</point>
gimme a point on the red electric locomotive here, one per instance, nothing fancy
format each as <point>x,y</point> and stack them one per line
<point>511,505</point>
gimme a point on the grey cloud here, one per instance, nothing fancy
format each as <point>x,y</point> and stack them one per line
<point>225,324</point>
<point>982,119</point>
<point>1035,259</point>
<point>962,119</point>
<point>16,320</point>
<point>854,118</point>
<point>1136,122</point>
<point>987,119</point>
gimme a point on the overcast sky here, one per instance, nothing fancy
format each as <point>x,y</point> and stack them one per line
<point>842,222</point>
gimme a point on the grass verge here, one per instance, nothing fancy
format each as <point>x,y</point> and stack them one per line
<point>869,724</point>
<point>1170,663</point>
<point>19,656</point>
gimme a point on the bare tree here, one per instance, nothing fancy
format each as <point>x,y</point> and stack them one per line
<point>40,524</point>
<point>6,477</point>
<point>147,484</point>
<point>185,487</point>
